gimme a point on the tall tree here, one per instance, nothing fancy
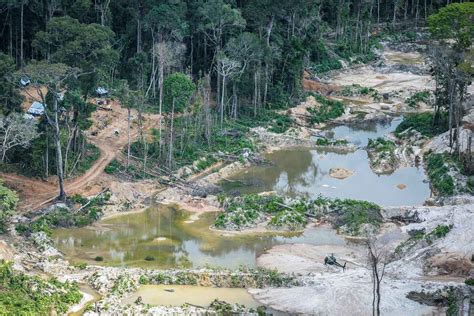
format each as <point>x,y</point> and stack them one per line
<point>53,77</point>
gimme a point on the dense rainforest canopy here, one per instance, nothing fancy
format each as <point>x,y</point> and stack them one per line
<point>219,64</point>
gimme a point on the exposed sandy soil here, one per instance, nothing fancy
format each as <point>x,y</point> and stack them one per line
<point>304,259</point>
<point>329,289</point>
<point>426,267</point>
<point>340,173</point>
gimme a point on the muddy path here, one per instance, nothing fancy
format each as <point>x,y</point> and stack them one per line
<point>111,137</point>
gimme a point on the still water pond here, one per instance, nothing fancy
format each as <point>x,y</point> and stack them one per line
<point>177,295</point>
<point>305,172</point>
<point>173,239</point>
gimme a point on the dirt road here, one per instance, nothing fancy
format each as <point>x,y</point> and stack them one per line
<point>111,137</point>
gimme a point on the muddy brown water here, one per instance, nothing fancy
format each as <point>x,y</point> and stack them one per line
<point>305,172</point>
<point>178,295</point>
<point>165,235</point>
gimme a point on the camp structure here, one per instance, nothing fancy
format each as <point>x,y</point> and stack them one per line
<point>25,81</point>
<point>36,109</point>
<point>102,92</point>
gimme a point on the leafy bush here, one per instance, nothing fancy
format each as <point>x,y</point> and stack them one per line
<point>177,88</point>
<point>24,295</point>
<point>469,281</point>
<point>423,123</point>
<point>90,157</point>
<point>113,167</point>
<point>417,97</point>
<point>64,217</point>
<point>439,174</point>
<point>382,151</point>
<point>8,202</point>
<point>291,219</point>
<point>328,110</point>
<point>352,214</point>
<point>203,164</point>
<point>328,143</point>
<point>440,231</point>
<point>278,123</point>
<point>381,145</point>
<point>248,210</point>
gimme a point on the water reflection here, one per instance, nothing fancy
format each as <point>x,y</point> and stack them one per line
<point>164,234</point>
<point>305,172</point>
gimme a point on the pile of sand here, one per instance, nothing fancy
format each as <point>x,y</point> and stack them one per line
<point>340,173</point>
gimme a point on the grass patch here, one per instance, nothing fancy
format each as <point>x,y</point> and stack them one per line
<point>423,123</point>
<point>440,231</point>
<point>24,295</point>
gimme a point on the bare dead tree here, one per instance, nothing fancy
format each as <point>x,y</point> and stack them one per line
<point>226,67</point>
<point>16,130</point>
<point>377,260</point>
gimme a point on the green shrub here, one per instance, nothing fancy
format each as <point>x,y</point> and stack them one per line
<point>203,164</point>
<point>81,266</point>
<point>440,231</point>
<point>439,174</point>
<point>291,219</point>
<point>381,145</point>
<point>328,143</point>
<point>417,97</point>
<point>469,281</point>
<point>423,123</point>
<point>64,217</point>
<point>8,202</point>
<point>247,210</point>
<point>113,167</point>
<point>87,161</point>
<point>354,213</point>
<point>25,295</point>
<point>328,110</point>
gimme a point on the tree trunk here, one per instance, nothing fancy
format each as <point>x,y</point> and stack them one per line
<point>139,34</point>
<point>47,154</point>
<point>255,91</point>
<point>22,9</point>
<point>222,101</point>
<point>170,152</point>
<point>128,135</point>
<point>160,101</point>
<point>59,156</point>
